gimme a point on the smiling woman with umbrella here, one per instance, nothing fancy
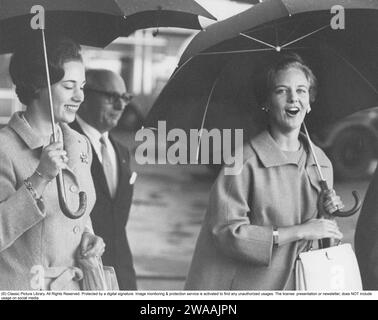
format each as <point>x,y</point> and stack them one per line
<point>38,244</point>
<point>35,234</point>
<point>260,220</point>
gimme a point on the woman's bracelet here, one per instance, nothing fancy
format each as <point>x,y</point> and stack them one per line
<point>48,179</point>
<point>30,188</point>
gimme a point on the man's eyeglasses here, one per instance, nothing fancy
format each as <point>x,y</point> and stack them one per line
<point>113,97</point>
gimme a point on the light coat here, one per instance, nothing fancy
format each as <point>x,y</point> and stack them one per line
<point>235,247</point>
<point>31,236</point>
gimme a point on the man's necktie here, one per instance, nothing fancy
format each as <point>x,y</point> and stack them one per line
<point>107,166</point>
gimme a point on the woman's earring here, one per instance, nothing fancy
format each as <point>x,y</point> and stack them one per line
<point>308,110</point>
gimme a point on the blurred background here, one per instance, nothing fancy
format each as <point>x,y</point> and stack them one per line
<point>170,201</point>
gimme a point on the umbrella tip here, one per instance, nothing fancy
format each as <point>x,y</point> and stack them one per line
<point>278,49</point>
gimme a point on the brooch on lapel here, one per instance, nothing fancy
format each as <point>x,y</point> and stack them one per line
<point>84,157</point>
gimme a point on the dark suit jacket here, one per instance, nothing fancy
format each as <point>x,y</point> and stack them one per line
<point>109,216</point>
<point>366,237</point>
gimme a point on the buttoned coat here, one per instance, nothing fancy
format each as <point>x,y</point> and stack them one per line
<point>366,237</point>
<point>110,215</point>
<point>32,236</point>
<point>235,248</point>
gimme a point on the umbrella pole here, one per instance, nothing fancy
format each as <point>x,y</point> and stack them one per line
<point>60,180</point>
<point>204,118</point>
<point>325,243</point>
<point>318,168</point>
<point>52,117</point>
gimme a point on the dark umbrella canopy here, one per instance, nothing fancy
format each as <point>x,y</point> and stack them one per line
<point>217,71</point>
<point>96,22</point>
<point>271,14</point>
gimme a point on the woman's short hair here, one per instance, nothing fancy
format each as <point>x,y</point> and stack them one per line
<point>264,84</point>
<point>27,65</point>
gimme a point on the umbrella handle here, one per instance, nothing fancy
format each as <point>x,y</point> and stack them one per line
<point>344,213</point>
<point>63,202</point>
<point>353,210</point>
<point>327,242</point>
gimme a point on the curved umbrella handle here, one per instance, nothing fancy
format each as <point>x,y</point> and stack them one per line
<point>60,181</point>
<point>353,210</point>
<point>343,213</point>
<point>327,242</point>
<point>63,202</point>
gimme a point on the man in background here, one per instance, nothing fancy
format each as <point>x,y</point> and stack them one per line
<point>105,100</point>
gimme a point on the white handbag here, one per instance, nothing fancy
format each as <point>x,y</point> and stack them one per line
<point>331,269</point>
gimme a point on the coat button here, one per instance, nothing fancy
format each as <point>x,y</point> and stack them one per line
<point>76,229</point>
<point>74,189</point>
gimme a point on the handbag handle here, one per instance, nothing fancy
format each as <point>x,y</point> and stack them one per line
<point>322,244</point>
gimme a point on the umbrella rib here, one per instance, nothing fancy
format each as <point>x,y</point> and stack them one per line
<point>257,40</point>
<point>305,36</point>
<point>179,67</point>
<point>204,117</point>
<point>358,72</point>
<point>233,52</point>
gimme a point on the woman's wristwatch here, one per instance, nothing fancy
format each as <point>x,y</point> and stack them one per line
<point>275,237</point>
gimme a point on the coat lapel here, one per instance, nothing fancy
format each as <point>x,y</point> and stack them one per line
<point>97,170</point>
<point>71,146</point>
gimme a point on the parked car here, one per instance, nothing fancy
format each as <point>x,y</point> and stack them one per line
<point>352,144</point>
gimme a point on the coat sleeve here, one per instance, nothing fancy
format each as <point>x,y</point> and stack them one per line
<point>18,210</point>
<point>229,222</point>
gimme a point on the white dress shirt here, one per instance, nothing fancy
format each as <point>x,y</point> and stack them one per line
<point>94,137</point>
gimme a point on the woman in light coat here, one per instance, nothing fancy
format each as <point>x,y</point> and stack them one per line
<point>259,220</point>
<point>39,246</point>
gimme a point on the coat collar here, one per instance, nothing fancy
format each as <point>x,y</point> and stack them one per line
<point>25,131</point>
<point>31,138</point>
<point>71,143</point>
<point>270,155</point>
